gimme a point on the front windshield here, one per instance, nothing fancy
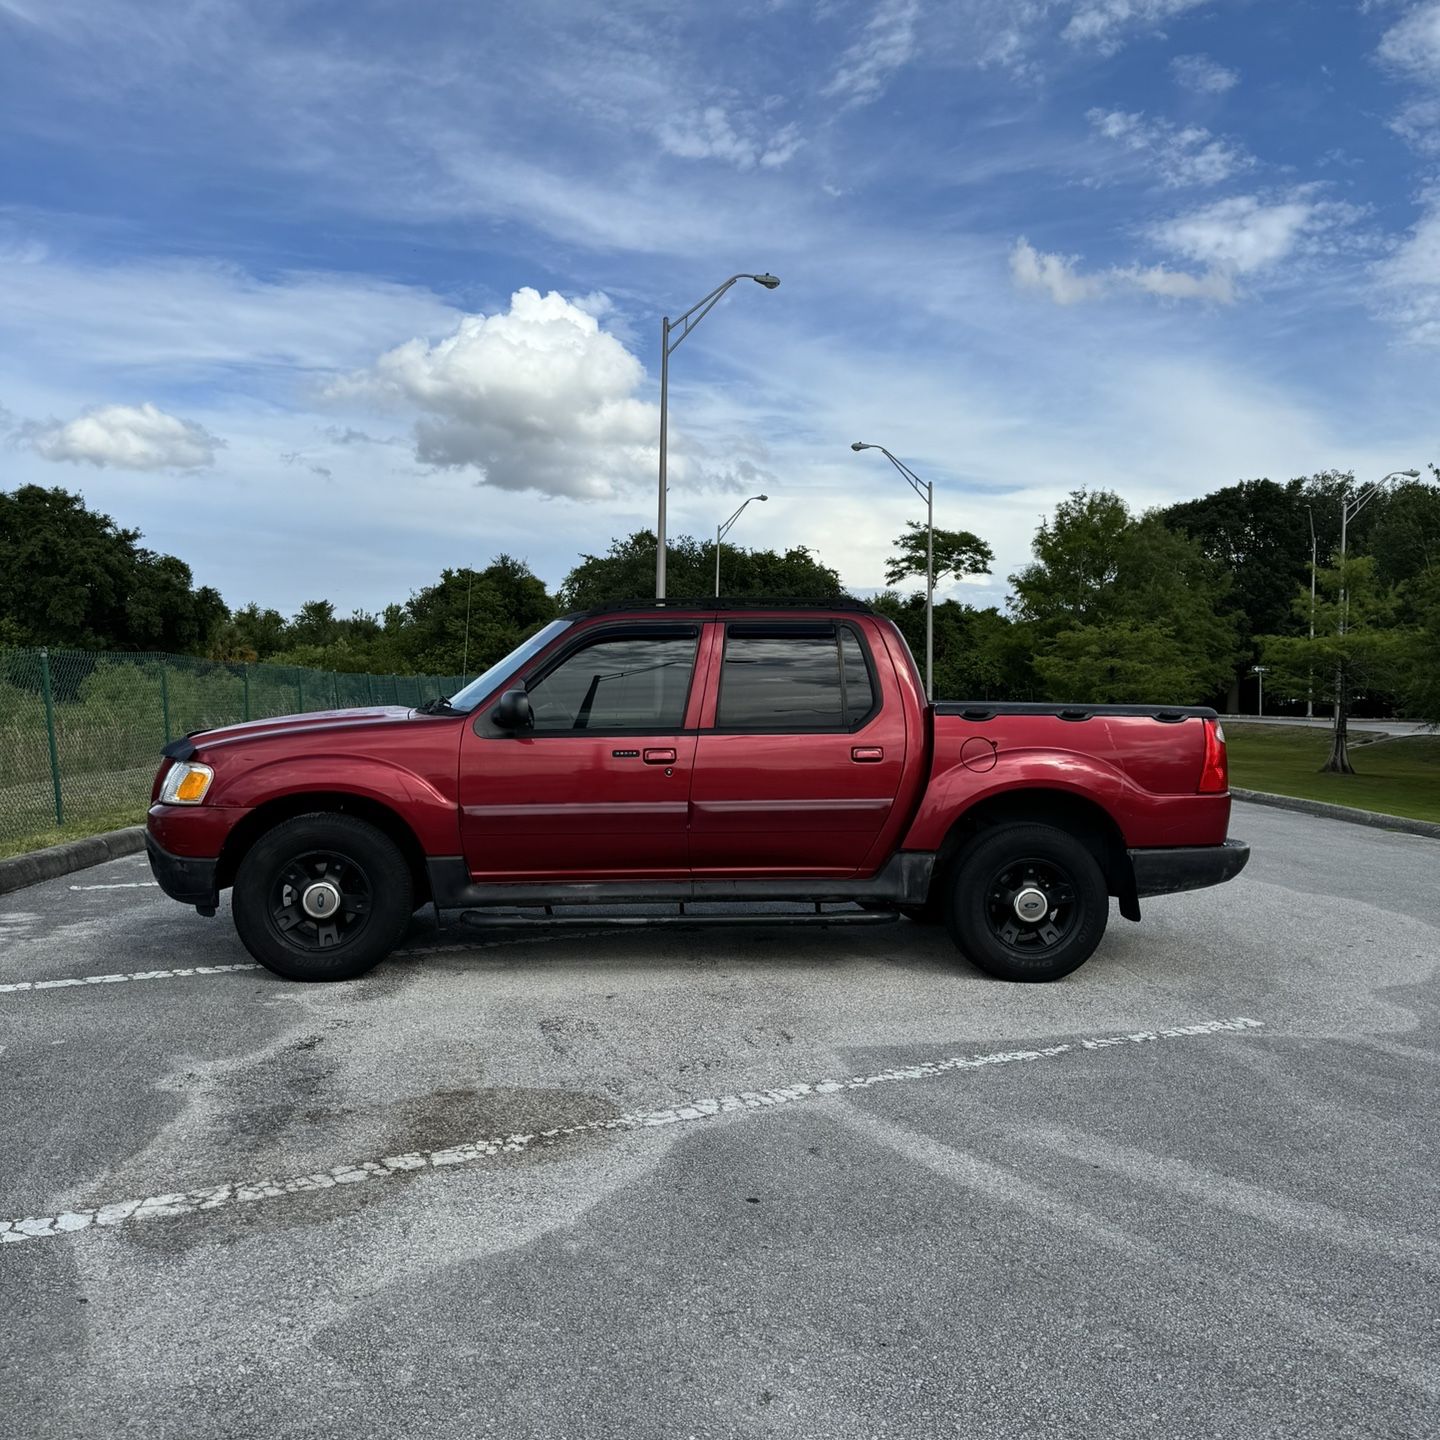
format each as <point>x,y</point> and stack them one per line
<point>482,685</point>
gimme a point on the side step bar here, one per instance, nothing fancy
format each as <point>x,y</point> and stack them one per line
<point>490,920</point>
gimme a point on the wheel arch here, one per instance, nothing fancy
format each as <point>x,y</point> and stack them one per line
<point>1089,822</point>
<point>339,802</point>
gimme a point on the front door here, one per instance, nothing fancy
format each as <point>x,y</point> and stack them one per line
<point>600,788</point>
<point>799,773</point>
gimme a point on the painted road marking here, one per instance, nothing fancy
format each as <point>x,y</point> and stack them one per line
<point>124,885</point>
<point>215,1197</point>
<point>68,981</point>
<point>187,971</point>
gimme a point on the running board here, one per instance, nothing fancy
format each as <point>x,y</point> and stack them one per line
<point>489,920</point>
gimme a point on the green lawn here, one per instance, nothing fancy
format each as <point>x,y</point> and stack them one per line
<point>94,823</point>
<point>1396,777</point>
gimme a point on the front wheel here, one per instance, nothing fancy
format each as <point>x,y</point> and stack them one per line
<point>322,897</point>
<point>1028,902</point>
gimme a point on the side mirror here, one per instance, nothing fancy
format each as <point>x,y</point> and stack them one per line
<point>513,711</point>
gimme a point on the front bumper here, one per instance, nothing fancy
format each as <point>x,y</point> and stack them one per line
<point>1193,867</point>
<point>184,878</point>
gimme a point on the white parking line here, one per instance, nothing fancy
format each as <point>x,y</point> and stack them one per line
<point>215,1197</point>
<point>70,980</point>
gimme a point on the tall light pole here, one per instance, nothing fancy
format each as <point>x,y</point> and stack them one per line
<point>1351,504</point>
<point>680,329</point>
<point>926,490</point>
<point>721,531</point>
<point>1310,684</point>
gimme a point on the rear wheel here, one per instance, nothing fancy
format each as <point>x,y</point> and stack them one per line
<point>1028,902</point>
<point>322,897</point>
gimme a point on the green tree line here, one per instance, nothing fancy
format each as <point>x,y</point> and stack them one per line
<point>1178,604</point>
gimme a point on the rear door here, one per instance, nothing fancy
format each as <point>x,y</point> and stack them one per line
<point>599,789</point>
<point>799,758</point>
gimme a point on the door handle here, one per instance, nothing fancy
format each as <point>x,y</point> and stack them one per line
<point>659,757</point>
<point>867,754</point>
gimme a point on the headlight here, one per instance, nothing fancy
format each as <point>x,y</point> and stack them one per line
<point>186,783</point>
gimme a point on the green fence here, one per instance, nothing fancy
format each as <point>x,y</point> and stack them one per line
<point>81,731</point>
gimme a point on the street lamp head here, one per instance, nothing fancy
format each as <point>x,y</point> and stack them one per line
<point>860,445</point>
<point>768,281</point>
<point>761,497</point>
<point>1410,474</point>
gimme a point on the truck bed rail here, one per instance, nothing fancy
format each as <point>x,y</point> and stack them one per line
<point>982,710</point>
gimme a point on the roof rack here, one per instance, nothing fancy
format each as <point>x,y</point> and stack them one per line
<point>713,602</point>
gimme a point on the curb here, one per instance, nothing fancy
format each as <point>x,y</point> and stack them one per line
<point>50,864</point>
<point>1373,818</point>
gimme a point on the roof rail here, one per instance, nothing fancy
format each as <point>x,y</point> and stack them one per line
<point>713,602</point>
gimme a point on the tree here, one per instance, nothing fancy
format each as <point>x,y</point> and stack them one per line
<point>1405,537</point>
<point>470,618</point>
<point>627,572</point>
<point>1258,532</point>
<point>979,654</point>
<point>1355,646</point>
<point>956,553</point>
<point>69,576</point>
<point>1420,647</point>
<point>1123,609</point>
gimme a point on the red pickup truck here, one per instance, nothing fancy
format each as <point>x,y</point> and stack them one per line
<point>697,754</point>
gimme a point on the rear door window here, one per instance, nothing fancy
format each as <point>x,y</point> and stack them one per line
<point>796,677</point>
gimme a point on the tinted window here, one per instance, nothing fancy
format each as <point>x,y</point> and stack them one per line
<point>859,696</point>
<point>627,683</point>
<point>793,682</point>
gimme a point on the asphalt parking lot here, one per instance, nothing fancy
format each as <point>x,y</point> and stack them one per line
<point>712,1184</point>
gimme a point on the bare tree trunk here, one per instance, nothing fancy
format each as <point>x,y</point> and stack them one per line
<point>1339,761</point>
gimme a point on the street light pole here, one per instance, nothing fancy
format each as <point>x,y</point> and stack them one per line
<point>1350,507</point>
<point>681,328</point>
<point>721,531</point>
<point>1310,684</point>
<point>1259,672</point>
<point>926,490</point>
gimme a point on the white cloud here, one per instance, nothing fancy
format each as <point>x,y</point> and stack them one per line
<point>1412,48</point>
<point>1056,275</point>
<point>1180,155</point>
<point>1103,22</point>
<point>1244,234</point>
<point>192,319</point>
<point>710,134</point>
<point>130,437</point>
<point>1409,281</point>
<point>1060,278</point>
<point>1413,44</point>
<point>1180,284</point>
<point>536,397</point>
<point>1203,75</point>
<point>887,44</point>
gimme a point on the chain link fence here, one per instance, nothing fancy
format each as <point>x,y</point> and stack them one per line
<point>81,731</point>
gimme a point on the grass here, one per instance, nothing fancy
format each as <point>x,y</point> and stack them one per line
<point>1395,777</point>
<point>95,823</point>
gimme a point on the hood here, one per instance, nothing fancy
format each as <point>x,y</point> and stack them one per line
<point>315,722</point>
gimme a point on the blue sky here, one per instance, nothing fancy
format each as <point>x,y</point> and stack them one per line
<point>324,297</point>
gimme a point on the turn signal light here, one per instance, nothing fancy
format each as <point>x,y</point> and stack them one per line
<point>186,783</point>
<point>1215,772</point>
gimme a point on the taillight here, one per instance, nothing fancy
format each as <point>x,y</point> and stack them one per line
<point>1215,772</point>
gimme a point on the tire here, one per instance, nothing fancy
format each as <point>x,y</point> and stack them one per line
<point>988,895</point>
<point>368,897</point>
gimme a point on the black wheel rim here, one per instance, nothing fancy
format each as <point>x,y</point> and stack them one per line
<point>320,900</point>
<point>1011,900</point>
